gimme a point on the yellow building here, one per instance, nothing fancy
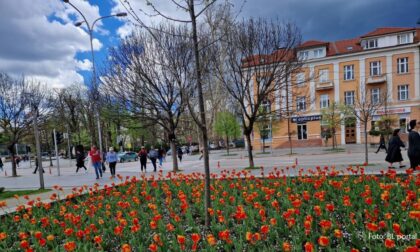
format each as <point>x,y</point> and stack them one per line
<point>384,60</point>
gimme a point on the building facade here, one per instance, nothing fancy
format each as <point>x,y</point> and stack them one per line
<point>384,61</point>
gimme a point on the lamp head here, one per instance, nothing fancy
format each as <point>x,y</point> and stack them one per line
<point>66,1</point>
<point>121,14</point>
<point>79,23</point>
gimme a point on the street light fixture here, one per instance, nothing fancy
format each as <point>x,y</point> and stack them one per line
<point>95,86</point>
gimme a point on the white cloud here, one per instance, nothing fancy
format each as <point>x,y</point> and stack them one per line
<point>35,44</point>
<point>85,65</point>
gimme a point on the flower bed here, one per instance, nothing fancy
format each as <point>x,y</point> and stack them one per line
<point>319,211</point>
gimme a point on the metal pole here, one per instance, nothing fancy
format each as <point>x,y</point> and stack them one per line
<point>38,150</point>
<point>56,153</point>
<point>271,134</point>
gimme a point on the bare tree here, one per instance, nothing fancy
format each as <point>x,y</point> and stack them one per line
<point>364,108</point>
<point>14,117</point>
<point>260,55</point>
<point>194,9</point>
<point>150,72</point>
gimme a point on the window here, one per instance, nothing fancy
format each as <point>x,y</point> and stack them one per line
<point>300,103</point>
<point>372,43</point>
<point>304,55</point>
<point>375,95</point>
<point>403,125</point>
<point>349,72</point>
<point>402,65</point>
<point>375,68</point>
<point>318,53</point>
<point>323,75</point>
<point>302,133</point>
<point>300,79</point>
<point>266,106</point>
<point>349,97</point>
<point>403,39</point>
<point>403,92</point>
<point>324,101</point>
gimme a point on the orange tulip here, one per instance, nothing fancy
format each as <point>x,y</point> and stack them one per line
<point>323,241</point>
<point>287,247</point>
<point>389,243</point>
<point>211,240</point>
<point>125,248</point>
<point>70,246</point>
<point>3,236</point>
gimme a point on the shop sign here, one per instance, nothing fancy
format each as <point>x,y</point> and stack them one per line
<point>303,119</point>
<point>391,111</point>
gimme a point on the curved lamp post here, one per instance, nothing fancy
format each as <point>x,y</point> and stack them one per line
<point>95,86</point>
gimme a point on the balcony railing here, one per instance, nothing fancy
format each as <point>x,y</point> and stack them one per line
<point>376,79</point>
<point>324,85</point>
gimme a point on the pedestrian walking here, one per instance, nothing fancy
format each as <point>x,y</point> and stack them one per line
<point>153,155</point>
<point>103,163</point>
<point>143,158</point>
<point>161,154</point>
<point>111,159</point>
<point>382,144</point>
<point>180,153</point>
<point>394,149</point>
<point>36,166</point>
<point>80,160</point>
<point>1,164</point>
<point>414,143</point>
<point>17,161</point>
<point>95,157</point>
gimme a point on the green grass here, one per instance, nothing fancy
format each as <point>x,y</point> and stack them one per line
<point>11,194</point>
<point>335,150</point>
<point>259,153</point>
<point>230,154</point>
<point>363,165</point>
<point>252,168</point>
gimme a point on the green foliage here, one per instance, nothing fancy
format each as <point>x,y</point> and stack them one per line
<point>226,125</point>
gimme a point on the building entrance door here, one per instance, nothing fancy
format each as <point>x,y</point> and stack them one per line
<point>350,130</point>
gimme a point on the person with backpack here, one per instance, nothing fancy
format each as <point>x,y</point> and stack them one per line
<point>143,158</point>
<point>95,156</point>
<point>153,155</point>
<point>80,160</point>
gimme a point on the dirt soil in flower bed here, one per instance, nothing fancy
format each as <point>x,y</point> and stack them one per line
<point>319,211</point>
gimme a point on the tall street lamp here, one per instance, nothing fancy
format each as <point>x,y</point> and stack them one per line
<point>94,84</point>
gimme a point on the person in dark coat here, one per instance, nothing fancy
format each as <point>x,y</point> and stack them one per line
<point>180,153</point>
<point>37,166</point>
<point>414,143</point>
<point>143,158</point>
<point>382,144</point>
<point>80,160</point>
<point>394,149</point>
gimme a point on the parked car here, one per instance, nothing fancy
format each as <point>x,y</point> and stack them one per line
<point>194,148</point>
<point>240,143</point>
<point>214,146</point>
<point>127,156</point>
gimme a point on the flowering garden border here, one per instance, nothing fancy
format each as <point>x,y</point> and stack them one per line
<point>319,210</point>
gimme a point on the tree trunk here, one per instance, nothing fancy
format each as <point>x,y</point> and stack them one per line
<point>227,145</point>
<point>174,159</point>
<point>366,143</point>
<point>289,135</point>
<point>203,126</point>
<point>263,148</point>
<point>250,157</point>
<point>13,156</point>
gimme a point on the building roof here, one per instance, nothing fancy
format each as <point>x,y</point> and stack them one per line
<point>312,43</point>
<point>344,46</point>
<point>386,30</point>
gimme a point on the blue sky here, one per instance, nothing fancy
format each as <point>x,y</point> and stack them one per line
<point>42,41</point>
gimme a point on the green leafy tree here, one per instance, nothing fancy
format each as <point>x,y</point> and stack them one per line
<point>332,118</point>
<point>227,127</point>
